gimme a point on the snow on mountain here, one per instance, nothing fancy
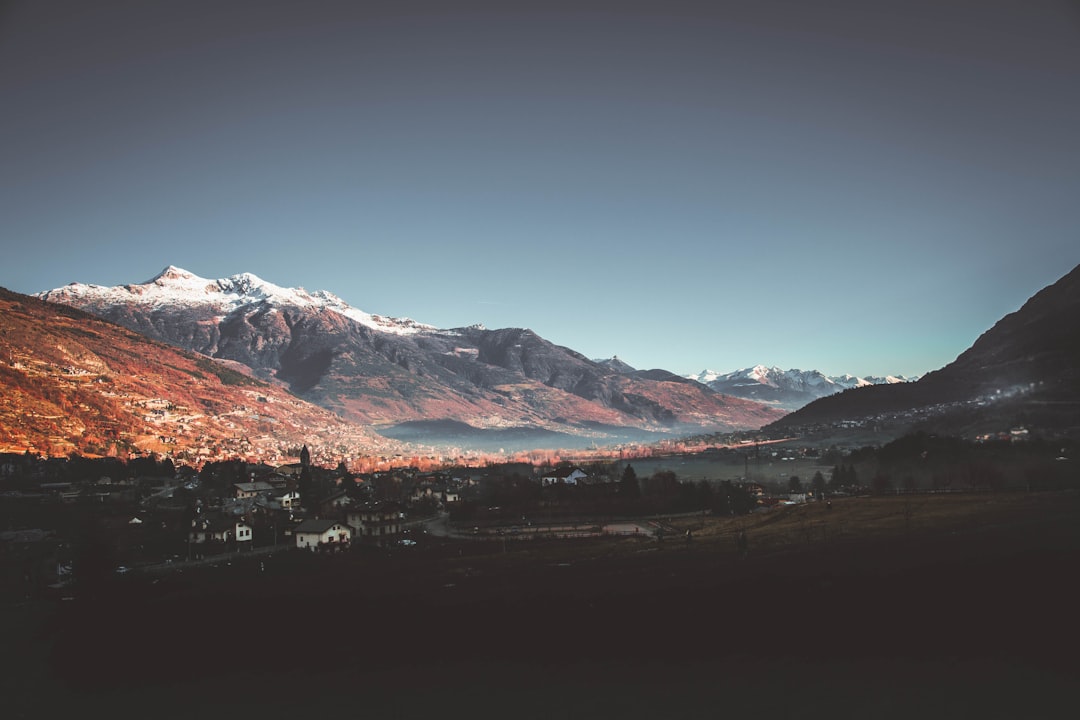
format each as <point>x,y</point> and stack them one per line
<point>176,286</point>
<point>787,388</point>
<point>705,376</point>
<point>403,371</point>
<point>888,379</point>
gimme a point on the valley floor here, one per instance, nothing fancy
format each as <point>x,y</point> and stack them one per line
<point>954,606</point>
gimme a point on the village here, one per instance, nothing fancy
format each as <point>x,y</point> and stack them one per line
<point>65,519</point>
<point>149,515</point>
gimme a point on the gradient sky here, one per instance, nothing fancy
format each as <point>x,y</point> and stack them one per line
<point>853,186</point>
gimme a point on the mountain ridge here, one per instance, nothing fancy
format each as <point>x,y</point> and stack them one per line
<point>1024,370</point>
<point>789,389</point>
<point>383,371</point>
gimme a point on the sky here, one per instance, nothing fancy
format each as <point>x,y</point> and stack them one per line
<point>849,186</point>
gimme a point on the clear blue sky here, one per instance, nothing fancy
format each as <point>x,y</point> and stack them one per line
<point>847,186</point>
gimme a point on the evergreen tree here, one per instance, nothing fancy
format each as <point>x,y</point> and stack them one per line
<point>306,488</point>
<point>835,479</point>
<point>628,485</point>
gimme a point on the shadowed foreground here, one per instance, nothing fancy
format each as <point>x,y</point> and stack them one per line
<point>971,614</point>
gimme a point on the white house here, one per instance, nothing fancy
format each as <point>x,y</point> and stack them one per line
<point>219,529</point>
<point>288,499</point>
<point>563,476</point>
<point>311,533</point>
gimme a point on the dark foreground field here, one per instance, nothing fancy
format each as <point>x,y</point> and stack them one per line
<point>943,607</point>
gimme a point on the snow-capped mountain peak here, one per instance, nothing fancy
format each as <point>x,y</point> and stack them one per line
<point>764,375</point>
<point>787,388</point>
<point>171,274</point>
<point>176,286</point>
<point>705,376</point>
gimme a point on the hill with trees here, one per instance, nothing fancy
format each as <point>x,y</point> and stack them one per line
<point>74,383</point>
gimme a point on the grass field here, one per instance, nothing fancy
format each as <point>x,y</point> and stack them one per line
<point>893,607</point>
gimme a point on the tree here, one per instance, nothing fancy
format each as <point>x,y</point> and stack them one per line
<point>794,484</point>
<point>881,483</point>
<point>835,479</point>
<point>628,484</point>
<point>818,483</point>
<point>662,483</point>
<point>731,499</point>
<point>306,487</point>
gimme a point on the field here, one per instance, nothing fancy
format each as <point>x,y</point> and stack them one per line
<point>894,607</point>
<point>692,468</point>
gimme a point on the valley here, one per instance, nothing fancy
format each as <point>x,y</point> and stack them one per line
<point>532,514</point>
<point>539,360</point>
<point>954,599</point>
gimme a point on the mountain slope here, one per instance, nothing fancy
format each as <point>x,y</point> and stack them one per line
<point>386,371</point>
<point>74,382</point>
<point>1025,369</point>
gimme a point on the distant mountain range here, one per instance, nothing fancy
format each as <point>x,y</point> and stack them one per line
<point>390,372</point>
<point>1024,371</point>
<point>788,389</point>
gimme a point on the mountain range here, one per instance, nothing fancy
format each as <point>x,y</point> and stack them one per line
<point>404,377</point>
<point>476,387</point>
<point>788,389</point>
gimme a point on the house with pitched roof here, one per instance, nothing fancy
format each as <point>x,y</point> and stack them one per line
<point>563,476</point>
<point>251,489</point>
<point>316,533</point>
<point>379,522</point>
<point>218,528</point>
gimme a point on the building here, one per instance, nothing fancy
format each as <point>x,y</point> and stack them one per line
<point>316,534</point>
<point>286,499</point>
<point>251,489</point>
<point>333,504</point>
<point>219,529</point>
<point>379,522</point>
<point>563,476</point>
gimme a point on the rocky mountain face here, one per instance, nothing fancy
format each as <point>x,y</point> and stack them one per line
<point>1025,370</point>
<point>73,382</point>
<point>788,389</point>
<point>386,371</point>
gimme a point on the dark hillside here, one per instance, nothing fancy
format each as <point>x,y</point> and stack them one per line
<point>1028,362</point>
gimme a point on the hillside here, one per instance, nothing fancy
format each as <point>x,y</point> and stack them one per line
<point>73,382</point>
<point>1025,370</point>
